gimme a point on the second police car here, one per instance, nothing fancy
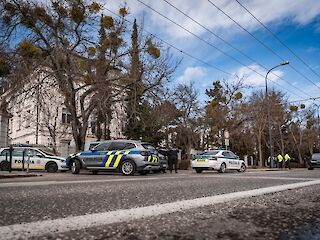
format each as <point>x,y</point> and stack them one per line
<point>40,159</point>
<point>125,156</point>
<point>220,160</point>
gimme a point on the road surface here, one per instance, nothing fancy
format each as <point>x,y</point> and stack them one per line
<point>251,205</point>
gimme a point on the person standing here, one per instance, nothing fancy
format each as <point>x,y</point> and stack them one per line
<point>280,160</point>
<point>173,159</point>
<point>287,159</point>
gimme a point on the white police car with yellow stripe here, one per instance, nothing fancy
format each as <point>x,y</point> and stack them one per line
<point>220,160</point>
<point>39,159</point>
<point>126,156</point>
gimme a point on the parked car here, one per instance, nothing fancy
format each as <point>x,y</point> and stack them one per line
<point>125,156</point>
<point>163,159</point>
<point>315,161</point>
<point>39,159</point>
<point>220,160</point>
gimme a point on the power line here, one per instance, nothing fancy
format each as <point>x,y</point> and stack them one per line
<point>262,43</point>
<point>195,35</point>
<point>195,58</point>
<point>232,46</point>
<point>276,37</point>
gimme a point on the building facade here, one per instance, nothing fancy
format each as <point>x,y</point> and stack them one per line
<point>40,117</point>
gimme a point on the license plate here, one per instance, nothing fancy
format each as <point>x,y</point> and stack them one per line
<point>201,160</point>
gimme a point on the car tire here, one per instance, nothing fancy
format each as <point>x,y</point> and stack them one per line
<point>4,166</point>
<point>242,168</point>
<point>75,166</point>
<point>94,172</point>
<point>198,170</point>
<point>51,167</point>
<point>222,168</point>
<point>128,167</point>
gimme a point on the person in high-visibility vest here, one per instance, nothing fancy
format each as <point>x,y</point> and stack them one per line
<point>280,159</point>
<point>287,159</point>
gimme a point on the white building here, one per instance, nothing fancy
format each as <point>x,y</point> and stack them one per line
<point>34,118</point>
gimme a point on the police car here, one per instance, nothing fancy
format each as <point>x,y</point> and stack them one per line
<point>125,156</point>
<point>220,160</point>
<point>39,159</point>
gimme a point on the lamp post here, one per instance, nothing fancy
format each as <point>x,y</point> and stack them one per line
<point>271,155</point>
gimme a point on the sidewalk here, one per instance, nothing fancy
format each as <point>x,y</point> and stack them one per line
<point>264,169</point>
<point>16,174</point>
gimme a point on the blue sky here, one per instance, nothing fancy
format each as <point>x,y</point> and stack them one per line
<point>296,23</point>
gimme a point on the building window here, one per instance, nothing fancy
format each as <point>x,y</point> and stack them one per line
<point>66,116</point>
<point>93,127</point>
<point>19,122</point>
<point>28,118</point>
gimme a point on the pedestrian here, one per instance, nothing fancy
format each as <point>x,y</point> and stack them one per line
<point>287,159</point>
<point>173,159</point>
<point>280,160</point>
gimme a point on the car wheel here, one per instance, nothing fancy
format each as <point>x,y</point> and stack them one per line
<point>75,167</point>
<point>310,168</point>
<point>94,172</point>
<point>222,168</point>
<point>52,167</point>
<point>128,167</point>
<point>199,170</point>
<point>242,168</point>
<point>4,166</point>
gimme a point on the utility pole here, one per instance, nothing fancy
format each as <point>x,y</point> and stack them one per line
<point>271,152</point>
<point>37,112</point>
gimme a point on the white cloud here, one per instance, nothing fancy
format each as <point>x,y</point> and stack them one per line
<point>194,74</point>
<point>275,11</point>
<point>251,78</point>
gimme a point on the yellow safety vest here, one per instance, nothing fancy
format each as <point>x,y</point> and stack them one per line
<point>287,157</point>
<point>280,158</point>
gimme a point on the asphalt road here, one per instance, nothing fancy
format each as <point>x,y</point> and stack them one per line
<point>252,205</point>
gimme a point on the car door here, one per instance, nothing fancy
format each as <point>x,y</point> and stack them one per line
<point>227,159</point>
<point>97,156</point>
<point>37,159</point>
<point>235,160</point>
<point>17,156</point>
<point>115,153</point>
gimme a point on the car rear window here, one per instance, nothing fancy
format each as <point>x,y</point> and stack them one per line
<point>210,153</point>
<point>316,156</point>
<point>148,146</point>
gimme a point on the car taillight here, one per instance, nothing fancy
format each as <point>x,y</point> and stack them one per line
<point>145,153</point>
<point>213,159</point>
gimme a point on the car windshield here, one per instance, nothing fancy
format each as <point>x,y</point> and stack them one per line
<point>210,153</point>
<point>46,152</point>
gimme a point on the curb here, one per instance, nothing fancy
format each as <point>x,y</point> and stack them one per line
<point>19,175</point>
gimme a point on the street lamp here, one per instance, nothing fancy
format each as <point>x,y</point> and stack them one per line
<point>268,114</point>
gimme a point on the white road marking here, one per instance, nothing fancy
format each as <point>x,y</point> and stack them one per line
<point>128,179</point>
<point>40,228</point>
